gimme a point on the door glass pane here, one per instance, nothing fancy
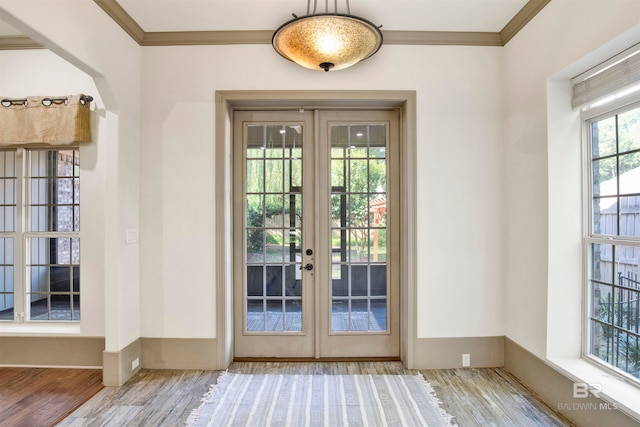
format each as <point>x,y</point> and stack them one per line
<point>359,228</point>
<point>378,318</point>
<point>255,315</point>
<point>293,316</point>
<point>359,315</point>
<point>273,227</point>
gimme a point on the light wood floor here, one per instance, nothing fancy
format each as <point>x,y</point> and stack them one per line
<point>475,397</point>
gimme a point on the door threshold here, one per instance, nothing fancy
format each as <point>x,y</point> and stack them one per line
<point>316,360</point>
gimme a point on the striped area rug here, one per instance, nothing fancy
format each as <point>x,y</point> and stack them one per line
<point>319,400</point>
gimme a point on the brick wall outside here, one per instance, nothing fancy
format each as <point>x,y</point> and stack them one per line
<point>66,220</point>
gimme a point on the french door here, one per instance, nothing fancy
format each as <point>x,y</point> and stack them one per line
<point>315,234</point>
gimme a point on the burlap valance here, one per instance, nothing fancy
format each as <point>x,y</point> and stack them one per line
<point>45,120</point>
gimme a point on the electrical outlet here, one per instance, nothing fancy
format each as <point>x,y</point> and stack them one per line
<point>466,360</point>
<point>135,363</point>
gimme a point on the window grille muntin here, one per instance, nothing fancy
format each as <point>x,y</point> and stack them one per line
<point>52,242</point>
<point>612,243</point>
<point>39,235</point>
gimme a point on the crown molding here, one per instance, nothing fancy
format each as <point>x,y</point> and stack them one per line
<point>521,19</point>
<point>451,38</point>
<point>122,18</point>
<point>195,38</point>
<point>18,43</point>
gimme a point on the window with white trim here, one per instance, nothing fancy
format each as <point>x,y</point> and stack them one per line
<point>40,235</point>
<point>609,96</point>
<point>613,241</point>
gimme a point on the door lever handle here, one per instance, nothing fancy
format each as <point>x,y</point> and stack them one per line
<point>308,267</point>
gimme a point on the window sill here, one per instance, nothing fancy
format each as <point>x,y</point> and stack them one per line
<point>615,389</point>
<point>35,329</point>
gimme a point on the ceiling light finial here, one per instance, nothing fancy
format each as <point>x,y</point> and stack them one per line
<point>327,41</point>
<point>326,66</point>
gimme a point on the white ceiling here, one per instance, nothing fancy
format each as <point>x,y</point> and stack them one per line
<point>412,15</point>
<point>225,15</point>
<point>7,30</point>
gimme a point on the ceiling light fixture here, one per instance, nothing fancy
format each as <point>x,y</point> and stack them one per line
<point>327,41</point>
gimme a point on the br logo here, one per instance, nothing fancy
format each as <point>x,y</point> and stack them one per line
<point>582,390</point>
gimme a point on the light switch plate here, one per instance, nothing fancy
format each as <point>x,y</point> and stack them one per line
<point>132,235</point>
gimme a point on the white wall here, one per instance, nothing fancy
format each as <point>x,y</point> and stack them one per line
<point>544,260</point>
<point>81,33</point>
<point>460,175</point>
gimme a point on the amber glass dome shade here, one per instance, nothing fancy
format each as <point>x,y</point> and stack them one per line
<point>327,41</point>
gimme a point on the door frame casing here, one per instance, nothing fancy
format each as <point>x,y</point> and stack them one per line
<point>226,102</point>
